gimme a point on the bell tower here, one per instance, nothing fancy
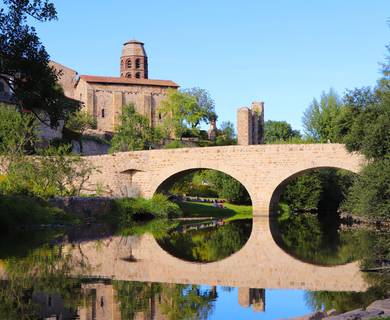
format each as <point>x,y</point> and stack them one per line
<point>134,61</point>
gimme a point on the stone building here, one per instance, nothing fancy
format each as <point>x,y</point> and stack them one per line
<point>104,97</point>
<point>250,124</point>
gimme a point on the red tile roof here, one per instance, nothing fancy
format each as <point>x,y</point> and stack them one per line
<point>126,81</point>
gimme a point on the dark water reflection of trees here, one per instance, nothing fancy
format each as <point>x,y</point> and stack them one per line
<point>210,244</point>
<point>320,239</point>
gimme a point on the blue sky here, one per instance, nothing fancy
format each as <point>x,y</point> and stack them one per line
<point>282,52</point>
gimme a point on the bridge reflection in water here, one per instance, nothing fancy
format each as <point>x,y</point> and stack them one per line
<point>261,263</point>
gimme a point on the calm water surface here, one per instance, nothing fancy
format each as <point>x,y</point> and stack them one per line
<point>92,274</point>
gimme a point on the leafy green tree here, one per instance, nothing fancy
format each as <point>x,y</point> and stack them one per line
<point>180,112</point>
<point>79,121</point>
<point>134,132</point>
<point>369,132</point>
<point>227,187</point>
<point>370,194</point>
<point>319,120</point>
<point>24,61</point>
<point>275,131</point>
<point>205,102</point>
<point>304,192</point>
<point>226,134</point>
<point>18,132</point>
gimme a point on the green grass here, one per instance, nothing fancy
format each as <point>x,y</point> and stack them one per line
<point>229,213</point>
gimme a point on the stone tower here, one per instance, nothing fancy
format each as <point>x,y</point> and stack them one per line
<point>250,124</point>
<point>134,61</point>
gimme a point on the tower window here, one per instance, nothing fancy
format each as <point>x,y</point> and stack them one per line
<point>137,63</point>
<point>128,75</point>
<point>128,63</point>
<point>103,113</point>
<point>159,116</point>
<point>138,75</point>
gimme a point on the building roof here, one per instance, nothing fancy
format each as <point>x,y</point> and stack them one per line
<point>126,81</point>
<point>133,41</point>
<point>133,48</point>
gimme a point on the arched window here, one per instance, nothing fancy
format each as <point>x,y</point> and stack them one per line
<point>128,75</point>
<point>137,63</point>
<point>128,63</point>
<point>138,75</point>
<point>103,113</point>
<point>159,116</point>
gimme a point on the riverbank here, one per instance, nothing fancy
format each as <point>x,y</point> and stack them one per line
<point>226,211</point>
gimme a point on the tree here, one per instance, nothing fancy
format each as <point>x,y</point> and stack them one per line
<point>205,103</point>
<point>24,61</point>
<point>79,121</point>
<point>304,192</point>
<point>227,187</point>
<point>275,131</point>
<point>226,135</point>
<point>370,194</point>
<point>17,132</point>
<point>319,119</point>
<point>134,132</point>
<point>180,112</point>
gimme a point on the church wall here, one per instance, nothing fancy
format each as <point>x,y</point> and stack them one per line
<point>67,79</point>
<point>111,98</point>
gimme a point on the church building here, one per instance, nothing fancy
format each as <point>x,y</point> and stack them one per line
<point>104,97</point>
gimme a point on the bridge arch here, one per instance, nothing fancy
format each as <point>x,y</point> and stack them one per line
<point>171,175</point>
<point>277,191</point>
<point>275,233</point>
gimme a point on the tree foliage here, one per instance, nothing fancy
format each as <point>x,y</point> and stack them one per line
<point>226,134</point>
<point>52,172</point>
<point>370,194</point>
<point>227,187</point>
<point>183,111</point>
<point>18,132</point>
<point>134,132</point>
<point>179,111</point>
<point>276,131</point>
<point>205,102</point>
<point>80,120</point>
<point>24,61</point>
<point>319,119</point>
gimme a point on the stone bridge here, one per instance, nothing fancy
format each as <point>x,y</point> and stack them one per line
<point>263,170</point>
